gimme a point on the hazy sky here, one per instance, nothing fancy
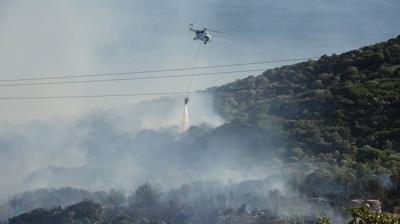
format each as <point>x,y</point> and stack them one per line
<point>46,37</point>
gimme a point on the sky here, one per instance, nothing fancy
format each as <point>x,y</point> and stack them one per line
<point>51,38</point>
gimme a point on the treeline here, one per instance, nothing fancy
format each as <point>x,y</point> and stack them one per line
<point>196,203</point>
<point>145,207</point>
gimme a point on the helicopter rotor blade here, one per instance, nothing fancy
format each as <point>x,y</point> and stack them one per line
<point>216,31</point>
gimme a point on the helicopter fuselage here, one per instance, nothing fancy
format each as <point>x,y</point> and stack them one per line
<point>202,35</point>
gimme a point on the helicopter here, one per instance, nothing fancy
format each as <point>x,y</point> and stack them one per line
<point>203,35</point>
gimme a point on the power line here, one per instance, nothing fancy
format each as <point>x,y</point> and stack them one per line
<point>154,71</point>
<point>132,78</point>
<point>125,94</point>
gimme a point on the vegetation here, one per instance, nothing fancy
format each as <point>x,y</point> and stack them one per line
<point>364,215</point>
<point>340,112</point>
<point>50,198</point>
<point>196,203</point>
<point>83,212</point>
<point>338,103</point>
<point>324,220</point>
<point>91,212</point>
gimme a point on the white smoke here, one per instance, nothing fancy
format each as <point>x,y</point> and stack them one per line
<point>116,139</point>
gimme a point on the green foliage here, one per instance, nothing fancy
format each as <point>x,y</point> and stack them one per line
<point>364,215</point>
<point>324,220</point>
<point>346,104</point>
<point>315,100</point>
<point>368,153</point>
<point>356,91</point>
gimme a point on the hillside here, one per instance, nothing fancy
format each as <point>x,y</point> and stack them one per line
<point>344,103</point>
<point>341,111</point>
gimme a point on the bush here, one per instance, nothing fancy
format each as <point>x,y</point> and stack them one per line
<point>368,153</point>
<point>364,215</point>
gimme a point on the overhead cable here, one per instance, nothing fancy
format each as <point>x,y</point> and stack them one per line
<point>152,71</point>
<point>131,78</point>
<point>126,94</point>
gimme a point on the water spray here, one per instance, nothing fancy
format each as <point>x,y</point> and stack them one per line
<point>185,118</point>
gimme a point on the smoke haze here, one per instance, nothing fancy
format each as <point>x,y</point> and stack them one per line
<point>100,145</point>
<point>121,143</point>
